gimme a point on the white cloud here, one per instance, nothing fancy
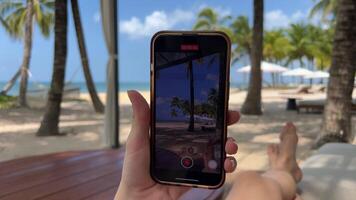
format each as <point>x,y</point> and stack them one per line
<point>299,15</point>
<point>97,17</point>
<point>278,19</point>
<point>156,21</point>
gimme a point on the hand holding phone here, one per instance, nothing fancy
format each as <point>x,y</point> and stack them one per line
<point>136,182</point>
<point>189,103</point>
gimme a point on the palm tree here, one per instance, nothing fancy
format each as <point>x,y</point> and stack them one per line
<point>241,37</point>
<point>18,17</point>
<point>337,126</point>
<point>50,121</point>
<point>98,105</point>
<point>320,46</point>
<point>191,95</point>
<point>326,8</point>
<point>275,46</point>
<point>11,82</point>
<point>252,104</point>
<point>299,43</point>
<point>209,19</point>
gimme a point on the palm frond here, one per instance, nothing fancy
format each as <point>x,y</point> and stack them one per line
<point>209,14</point>
<point>4,24</point>
<point>225,19</point>
<point>46,24</point>
<point>44,19</point>
<point>47,4</point>
<point>16,21</point>
<point>325,8</point>
<point>9,5</point>
<point>202,24</point>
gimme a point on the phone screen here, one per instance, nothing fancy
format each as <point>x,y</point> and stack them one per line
<point>189,109</point>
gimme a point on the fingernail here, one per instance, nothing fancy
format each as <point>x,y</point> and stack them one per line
<point>232,139</point>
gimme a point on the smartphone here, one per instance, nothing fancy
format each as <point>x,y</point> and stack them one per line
<point>189,103</point>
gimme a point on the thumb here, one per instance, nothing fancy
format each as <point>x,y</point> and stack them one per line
<point>136,167</point>
<point>141,118</point>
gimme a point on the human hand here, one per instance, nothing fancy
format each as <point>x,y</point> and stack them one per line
<point>136,182</point>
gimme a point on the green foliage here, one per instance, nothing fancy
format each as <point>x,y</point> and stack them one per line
<point>320,45</point>
<point>7,101</point>
<point>276,46</point>
<point>209,19</point>
<point>306,43</point>
<point>241,37</point>
<point>206,108</point>
<point>326,8</point>
<point>297,35</point>
<point>13,15</point>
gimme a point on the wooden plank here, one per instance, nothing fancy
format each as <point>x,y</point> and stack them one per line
<point>37,158</point>
<point>33,164</point>
<point>50,165</point>
<point>108,194</point>
<point>88,189</point>
<point>17,183</point>
<point>60,186</point>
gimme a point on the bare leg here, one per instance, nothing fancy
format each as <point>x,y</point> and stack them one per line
<point>277,183</point>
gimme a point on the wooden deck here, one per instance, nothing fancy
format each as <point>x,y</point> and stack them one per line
<point>90,175</point>
<point>70,175</point>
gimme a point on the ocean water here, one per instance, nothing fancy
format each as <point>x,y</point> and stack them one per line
<point>100,86</point>
<point>124,86</point>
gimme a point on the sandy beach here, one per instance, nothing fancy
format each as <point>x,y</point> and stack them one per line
<point>83,128</point>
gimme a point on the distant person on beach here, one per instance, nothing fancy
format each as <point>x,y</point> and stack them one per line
<point>277,183</point>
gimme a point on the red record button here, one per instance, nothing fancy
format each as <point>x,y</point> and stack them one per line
<point>186,162</point>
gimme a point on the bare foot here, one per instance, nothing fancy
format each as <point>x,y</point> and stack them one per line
<point>282,156</point>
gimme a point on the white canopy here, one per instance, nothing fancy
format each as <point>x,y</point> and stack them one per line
<point>318,74</point>
<point>298,72</point>
<point>111,120</point>
<point>265,67</point>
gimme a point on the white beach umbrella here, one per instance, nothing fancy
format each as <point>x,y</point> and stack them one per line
<point>318,74</point>
<point>298,72</point>
<point>245,69</point>
<point>265,67</point>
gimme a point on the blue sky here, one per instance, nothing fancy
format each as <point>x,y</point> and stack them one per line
<point>139,19</point>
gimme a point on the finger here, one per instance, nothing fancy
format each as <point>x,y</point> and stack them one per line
<point>140,110</point>
<point>178,191</point>
<point>232,117</point>
<point>231,146</point>
<point>230,164</point>
<point>140,119</point>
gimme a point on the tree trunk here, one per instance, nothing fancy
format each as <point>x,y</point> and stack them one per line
<point>191,90</point>
<point>98,105</point>
<point>337,112</point>
<point>50,121</point>
<point>11,83</point>
<point>27,54</point>
<point>252,104</point>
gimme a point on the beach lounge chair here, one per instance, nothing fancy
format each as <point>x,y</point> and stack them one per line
<point>301,89</point>
<point>317,105</point>
<point>330,174</point>
<point>317,88</point>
